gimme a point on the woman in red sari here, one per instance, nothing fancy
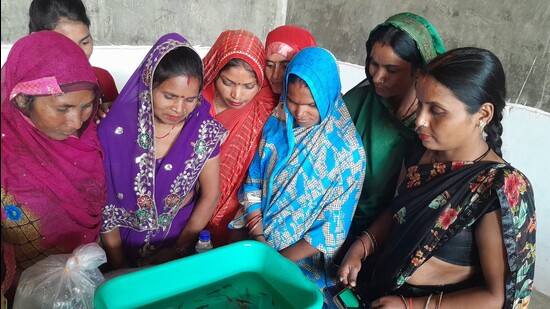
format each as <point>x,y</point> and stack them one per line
<point>281,44</point>
<point>235,84</point>
<point>53,183</point>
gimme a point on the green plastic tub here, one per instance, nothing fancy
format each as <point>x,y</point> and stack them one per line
<point>247,274</point>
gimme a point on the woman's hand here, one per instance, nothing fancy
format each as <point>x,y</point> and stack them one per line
<point>260,238</point>
<point>102,111</point>
<point>162,256</point>
<point>389,302</point>
<point>112,244</point>
<point>351,264</point>
<point>237,235</point>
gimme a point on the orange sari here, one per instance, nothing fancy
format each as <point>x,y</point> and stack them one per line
<point>244,125</point>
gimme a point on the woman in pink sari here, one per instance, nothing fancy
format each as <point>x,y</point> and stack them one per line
<point>241,100</point>
<point>53,183</point>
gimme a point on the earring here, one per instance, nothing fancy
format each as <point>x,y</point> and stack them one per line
<point>20,101</point>
<point>482,125</point>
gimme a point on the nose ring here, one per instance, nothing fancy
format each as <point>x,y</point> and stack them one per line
<point>423,125</point>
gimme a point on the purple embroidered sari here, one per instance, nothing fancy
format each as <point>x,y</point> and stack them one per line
<point>145,196</point>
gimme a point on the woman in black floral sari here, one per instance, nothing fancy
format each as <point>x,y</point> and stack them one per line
<point>461,231</point>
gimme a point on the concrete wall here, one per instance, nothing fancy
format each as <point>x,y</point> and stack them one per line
<point>516,31</point>
<point>142,22</point>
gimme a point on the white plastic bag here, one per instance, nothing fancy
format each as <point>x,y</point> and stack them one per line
<point>62,281</point>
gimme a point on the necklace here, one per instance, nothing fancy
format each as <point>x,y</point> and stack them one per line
<point>165,135</point>
<point>407,112</point>
<point>483,155</point>
<point>216,107</point>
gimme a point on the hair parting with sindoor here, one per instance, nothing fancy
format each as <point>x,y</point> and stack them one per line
<point>181,61</point>
<point>237,62</point>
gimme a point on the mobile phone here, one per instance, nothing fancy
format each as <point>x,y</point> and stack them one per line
<point>345,298</point>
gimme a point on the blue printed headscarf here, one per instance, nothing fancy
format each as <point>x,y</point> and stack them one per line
<point>307,181</point>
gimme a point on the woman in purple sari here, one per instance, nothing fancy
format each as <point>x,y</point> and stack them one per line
<point>161,145</point>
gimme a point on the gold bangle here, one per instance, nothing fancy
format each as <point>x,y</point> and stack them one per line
<point>372,240</point>
<point>364,249</point>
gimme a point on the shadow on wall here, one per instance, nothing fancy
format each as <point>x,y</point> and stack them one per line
<point>525,140</point>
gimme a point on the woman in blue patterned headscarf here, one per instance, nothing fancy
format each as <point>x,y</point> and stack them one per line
<point>305,179</point>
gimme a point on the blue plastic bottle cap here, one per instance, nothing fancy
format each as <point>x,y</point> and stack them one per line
<point>204,235</point>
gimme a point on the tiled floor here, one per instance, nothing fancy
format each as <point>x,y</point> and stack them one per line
<point>539,301</point>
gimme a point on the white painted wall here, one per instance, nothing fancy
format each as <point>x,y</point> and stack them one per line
<point>121,62</point>
<point>526,145</point>
<point>525,141</point>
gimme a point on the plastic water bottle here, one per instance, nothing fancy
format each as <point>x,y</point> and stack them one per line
<point>204,243</point>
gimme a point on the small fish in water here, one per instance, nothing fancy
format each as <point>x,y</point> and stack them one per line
<point>200,307</point>
<point>227,286</point>
<point>228,298</point>
<point>243,301</point>
<point>213,292</point>
<point>262,293</point>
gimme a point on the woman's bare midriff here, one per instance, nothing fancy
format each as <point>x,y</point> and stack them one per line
<point>438,272</point>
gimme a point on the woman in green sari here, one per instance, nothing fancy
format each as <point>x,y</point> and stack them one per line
<point>383,106</point>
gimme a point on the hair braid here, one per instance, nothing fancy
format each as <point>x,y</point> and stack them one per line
<point>494,132</point>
